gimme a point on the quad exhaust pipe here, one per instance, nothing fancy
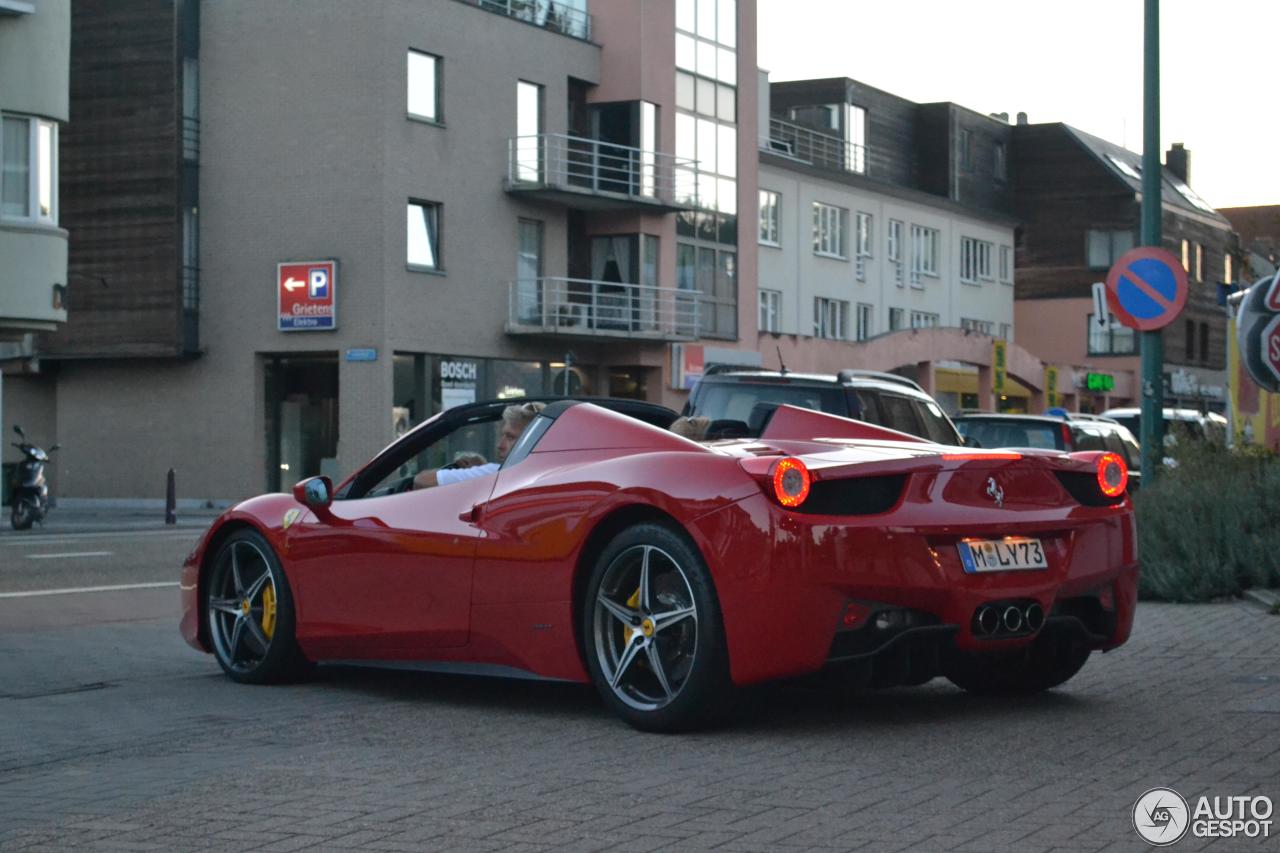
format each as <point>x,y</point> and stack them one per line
<point>1003,619</point>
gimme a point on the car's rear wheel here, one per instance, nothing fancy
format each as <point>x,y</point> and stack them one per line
<point>250,612</point>
<point>654,638</point>
<point>1047,663</point>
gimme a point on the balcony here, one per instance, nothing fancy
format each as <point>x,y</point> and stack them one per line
<point>574,307</point>
<point>818,149</point>
<point>592,175</point>
<point>190,139</point>
<point>33,274</point>
<point>557,17</point>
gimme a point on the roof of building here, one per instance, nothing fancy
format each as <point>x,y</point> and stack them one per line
<point>1127,166</point>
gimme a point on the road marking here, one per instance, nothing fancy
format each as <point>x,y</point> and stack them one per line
<point>70,554</point>
<point>15,540</point>
<point>72,590</point>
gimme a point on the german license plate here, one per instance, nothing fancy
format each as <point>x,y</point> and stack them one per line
<point>1011,554</point>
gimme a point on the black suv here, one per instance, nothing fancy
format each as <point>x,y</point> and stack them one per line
<point>740,400</point>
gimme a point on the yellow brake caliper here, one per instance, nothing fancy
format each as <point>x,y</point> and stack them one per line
<point>633,602</point>
<point>268,611</point>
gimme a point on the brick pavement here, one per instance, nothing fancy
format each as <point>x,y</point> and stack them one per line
<point>116,737</point>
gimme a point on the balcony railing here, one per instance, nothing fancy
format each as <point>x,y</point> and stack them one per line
<point>190,308</point>
<point>819,149</point>
<point>586,308</point>
<point>600,169</point>
<point>557,17</point>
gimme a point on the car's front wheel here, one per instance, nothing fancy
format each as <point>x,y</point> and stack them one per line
<point>250,612</point>
<point>1047,663</point>
<point>654,638</point>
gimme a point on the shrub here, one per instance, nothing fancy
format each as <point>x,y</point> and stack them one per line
<point>1210,527</point>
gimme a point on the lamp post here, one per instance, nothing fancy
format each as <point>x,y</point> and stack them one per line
<point>1152,421</point>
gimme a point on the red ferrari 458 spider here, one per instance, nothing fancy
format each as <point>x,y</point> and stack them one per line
<point>606,548</point>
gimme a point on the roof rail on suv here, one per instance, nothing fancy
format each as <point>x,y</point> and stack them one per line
<point>846,375</point>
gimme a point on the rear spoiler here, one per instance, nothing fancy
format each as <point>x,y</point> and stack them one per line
<point>792,423</point>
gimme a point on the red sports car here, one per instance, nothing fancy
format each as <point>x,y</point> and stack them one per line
<point>664,570</point>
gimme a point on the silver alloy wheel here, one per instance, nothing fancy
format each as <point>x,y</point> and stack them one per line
<point>646,627</point>
<point>238,599</point>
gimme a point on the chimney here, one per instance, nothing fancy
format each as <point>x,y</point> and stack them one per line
<point>1022,118</point>
<point>1004,117</point>
<point>1178,160</point>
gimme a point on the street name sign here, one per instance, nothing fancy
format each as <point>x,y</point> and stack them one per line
<point>1147,288</point>
<point>306,296</point>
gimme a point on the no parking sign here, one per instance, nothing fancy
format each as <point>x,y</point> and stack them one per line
<point>1147,288</point>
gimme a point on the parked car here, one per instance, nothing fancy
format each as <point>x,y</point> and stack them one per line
<point>1074,432</point>
<point>738,400</point>
<point>1179,424</point>
<point>607,549</point>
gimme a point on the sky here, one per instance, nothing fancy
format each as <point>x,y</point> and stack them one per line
<point>1077,62</point>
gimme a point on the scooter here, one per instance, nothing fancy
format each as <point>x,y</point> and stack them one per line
<point>30,495</point>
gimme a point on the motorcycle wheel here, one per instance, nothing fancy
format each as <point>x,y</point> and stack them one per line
<point>22,515</point>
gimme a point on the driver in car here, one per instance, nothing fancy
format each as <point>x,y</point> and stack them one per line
<point>514,420</point>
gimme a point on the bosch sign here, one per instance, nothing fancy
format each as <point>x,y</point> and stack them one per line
<point>306,296</point>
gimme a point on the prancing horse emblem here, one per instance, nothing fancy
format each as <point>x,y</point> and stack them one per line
<point>995,492</point>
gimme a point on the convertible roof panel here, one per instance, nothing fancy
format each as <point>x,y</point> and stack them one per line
<point>586,426</point>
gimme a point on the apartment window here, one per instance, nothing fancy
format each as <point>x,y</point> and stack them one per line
<point>924,320</point>
<point>866,320</point>
<point>424,235</point>
<point>1204,343</point>
<point>984,327</point>
<point>924,252</point>
<point>863,244</point>
<point>1000,162</point>
<point>424,86</point>
<point>1104,248</point>
<point>529,270</point>
<point>828,230</point>
<point>896,318</point>
<point>856,136</point>
<point>1186,255</point>
<point>830,318</point>
<point>1199,262</point>
<point>29,169</point>
<point>975,259</point>
<point>528,165</point>
<point>1006,330</point>
<point>712,272</point>
<point>965,143</point>
<point>1006,264</point>
<point>770,310</point>
<point>1226,269</point>
<point>1118,340</point>
<point>895,250</point>
<point>1189,327</point>
<point>769,234</point>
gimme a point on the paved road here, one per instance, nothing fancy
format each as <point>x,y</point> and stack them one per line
<point>115,735</point>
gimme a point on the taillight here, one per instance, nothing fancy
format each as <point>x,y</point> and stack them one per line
<point>1067,443</point>
<point>791,482</point>
<point>1113,475</point>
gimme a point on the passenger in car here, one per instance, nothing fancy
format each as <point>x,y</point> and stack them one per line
<point>694,428</point>
<point>514,420</point>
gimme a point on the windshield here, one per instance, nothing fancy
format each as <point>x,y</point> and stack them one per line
<point>1011,433</point>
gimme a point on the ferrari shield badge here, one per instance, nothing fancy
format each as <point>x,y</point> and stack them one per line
<point>289,518</point>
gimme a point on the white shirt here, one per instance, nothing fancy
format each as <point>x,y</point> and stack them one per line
<point>449,476</point>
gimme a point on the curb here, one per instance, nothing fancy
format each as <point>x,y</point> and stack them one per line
<point>1269,599</point>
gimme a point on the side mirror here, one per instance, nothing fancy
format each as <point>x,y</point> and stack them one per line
<point>970,441</point>
<point>19,431</point>
<point>55,447</point>
<point>315,493</point>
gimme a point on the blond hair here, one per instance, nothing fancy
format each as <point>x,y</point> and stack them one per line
<point>520,416</point>
<point>694,428</point>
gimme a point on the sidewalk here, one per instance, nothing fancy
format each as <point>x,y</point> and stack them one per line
<point>89,517</point>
